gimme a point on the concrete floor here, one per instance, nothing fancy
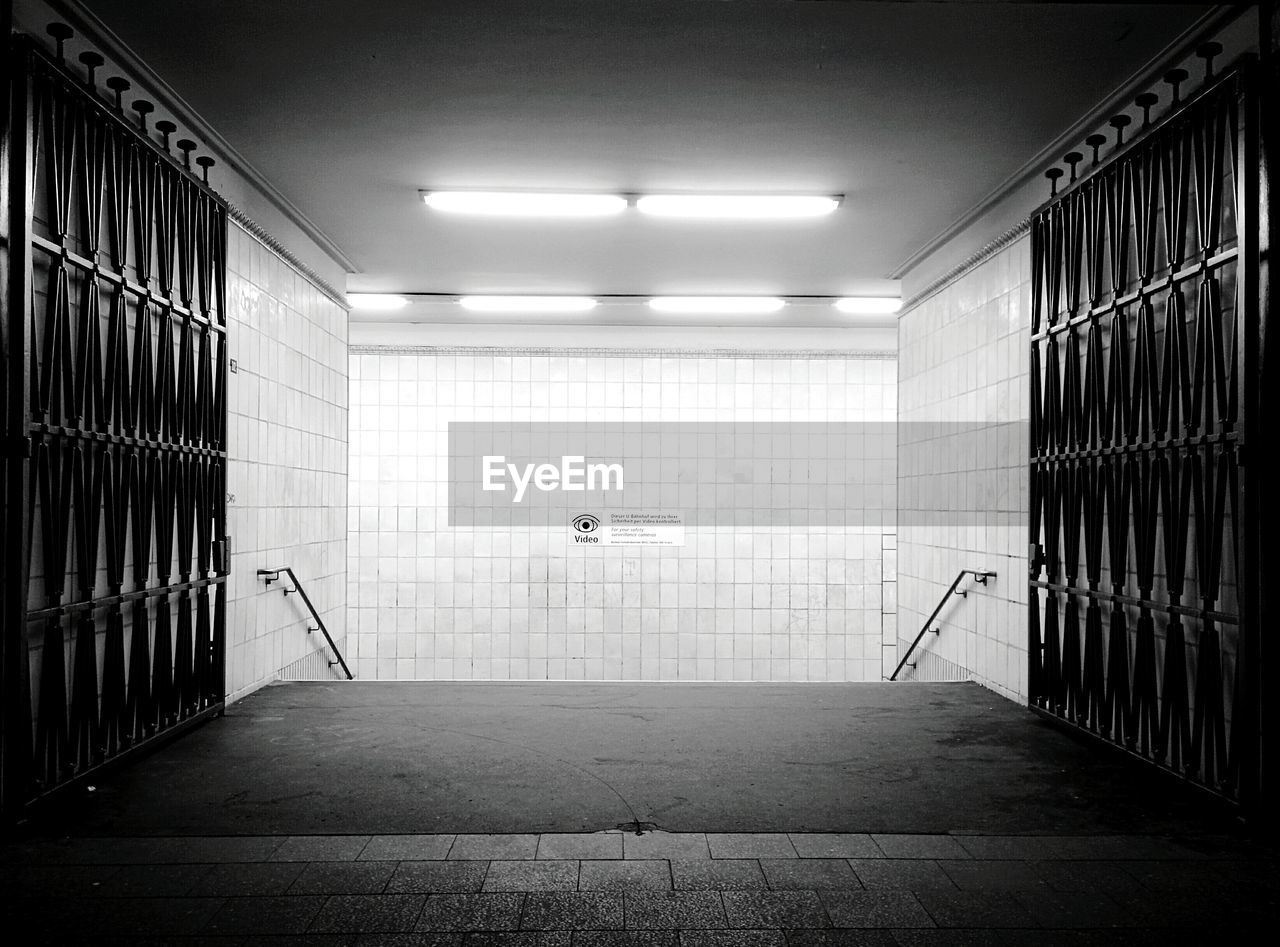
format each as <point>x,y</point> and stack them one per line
<point>388,758</point>
<point>476,815</point>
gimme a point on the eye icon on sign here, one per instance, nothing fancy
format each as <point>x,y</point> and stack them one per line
<point>585,523</point>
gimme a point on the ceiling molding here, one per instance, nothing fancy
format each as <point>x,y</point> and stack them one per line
<point>391,348</point>
<point>102,36</point>
<point>275,246</point>
<point>1120,99</point>
<point>970,263</point>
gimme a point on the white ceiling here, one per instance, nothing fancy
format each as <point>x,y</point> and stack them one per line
<point>914,111</point>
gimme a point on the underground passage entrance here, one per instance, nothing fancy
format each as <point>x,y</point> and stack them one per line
<point>1140,623</point>
<point>909,589</point>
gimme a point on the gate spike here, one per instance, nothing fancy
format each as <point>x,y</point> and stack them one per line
<point>91,62</point>
<point>186,146</point>
<point>1053,174</point>
<point>205,163</point>
<point>60,33</point>
<point>1175,78</point>
<point>1073,158</point>
<point>143,108</point>
<point>1207,51</point>
<point>119,85</point>
<point>166,128</point>
<point>1120,123</point>
<point>1095,141</point>
<point>1144,101</point>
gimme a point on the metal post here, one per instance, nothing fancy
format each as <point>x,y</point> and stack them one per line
<point>1261,377</point>
<point>16,224</point>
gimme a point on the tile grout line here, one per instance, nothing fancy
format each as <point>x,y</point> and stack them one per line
<point>279,843</point>
<point>385,884</point>
<point>520,915</point>
<point>943,868</point>
<point>422,909</point>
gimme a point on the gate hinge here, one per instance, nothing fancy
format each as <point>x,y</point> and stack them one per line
<point>1035,557</point>
<point>222,553</point>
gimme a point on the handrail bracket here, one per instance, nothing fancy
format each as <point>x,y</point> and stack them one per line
<point>979,575</point>
<point>273,575</point>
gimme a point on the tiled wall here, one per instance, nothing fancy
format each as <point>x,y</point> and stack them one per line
<point>734,603</point>
<point>962,482</point>
<point>287,420</point>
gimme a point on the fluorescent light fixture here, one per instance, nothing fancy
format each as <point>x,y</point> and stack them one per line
<point>736,207</point>
<point>869,305</point>
<point>376,302</point>
<point>525,203</point>
<point>716,305</point>
<point>527,303</point>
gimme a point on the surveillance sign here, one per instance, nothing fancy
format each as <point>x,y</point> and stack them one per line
<point>628,528</point>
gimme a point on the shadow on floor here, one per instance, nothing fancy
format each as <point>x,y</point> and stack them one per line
<point>390,758</point>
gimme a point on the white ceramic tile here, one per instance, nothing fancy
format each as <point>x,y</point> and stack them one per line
<point>962,474</point>
<point>746,603</point>
<point>288,463</point>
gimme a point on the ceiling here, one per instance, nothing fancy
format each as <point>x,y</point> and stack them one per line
<point>914,111</point>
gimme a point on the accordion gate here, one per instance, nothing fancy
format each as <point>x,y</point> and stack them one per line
<point>1145,315</point>
<point>114,335</point>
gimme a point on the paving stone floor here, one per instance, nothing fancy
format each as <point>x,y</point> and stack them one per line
<point>791,814</point>
<point>605,888</point>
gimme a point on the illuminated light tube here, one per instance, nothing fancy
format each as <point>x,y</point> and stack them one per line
<point>869,305</point>
<point>376,302</point>
<point>525,204</point>
<point>716,305</point>
<point>527,303</point>
<point>736,207</point>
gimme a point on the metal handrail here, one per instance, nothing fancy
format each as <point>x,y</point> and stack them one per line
<point>979,575</point>
<point>273,575</point>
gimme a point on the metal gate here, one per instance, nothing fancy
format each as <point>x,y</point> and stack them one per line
<point>1144,335</point>
<point>114,344</point>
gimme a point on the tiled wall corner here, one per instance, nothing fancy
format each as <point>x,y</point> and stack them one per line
<point>889,603</point>
<point>735,603</point>
<point>963,503</point>
<point>287,476</point>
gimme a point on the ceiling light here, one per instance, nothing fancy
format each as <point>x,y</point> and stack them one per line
<point>709,305</point>
<point>524,204</point>
<point>527,303</point>
<point>869,305</point>
<point>744,206</point>
<point>376,302</point>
